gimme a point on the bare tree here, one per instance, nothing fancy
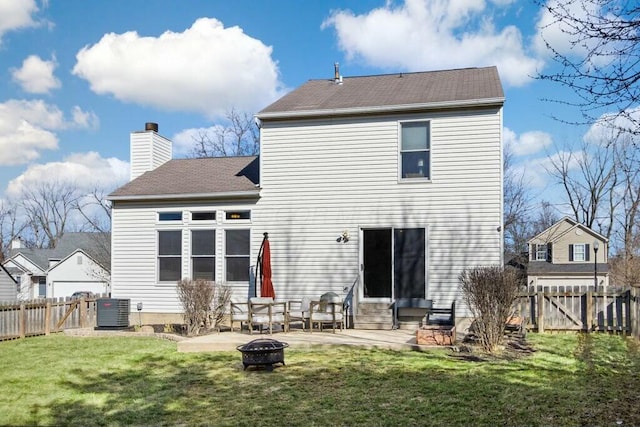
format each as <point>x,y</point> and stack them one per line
<point>589,180</point>
<point>238,137</point>
<point>10,226</point>
<point>603,66</point>
<point>48,207</point>
<point>546,217</point>
<point>517,204</point>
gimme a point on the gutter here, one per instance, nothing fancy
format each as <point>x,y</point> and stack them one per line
<point>255,194</point>
<point>485,102</point>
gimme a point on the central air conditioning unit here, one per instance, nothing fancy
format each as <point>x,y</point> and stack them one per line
<point>112,313</point>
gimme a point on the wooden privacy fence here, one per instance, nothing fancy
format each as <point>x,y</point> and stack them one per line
<point>41,317</point>
<point>558,309</point>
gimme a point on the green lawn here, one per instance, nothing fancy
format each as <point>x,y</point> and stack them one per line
<point>567,380</point>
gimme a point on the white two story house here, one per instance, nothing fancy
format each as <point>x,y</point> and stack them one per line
<point>378,188</point>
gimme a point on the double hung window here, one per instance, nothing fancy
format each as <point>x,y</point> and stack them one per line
<point>237,255</point>
<point>169,255</point>
<point>415,150</point>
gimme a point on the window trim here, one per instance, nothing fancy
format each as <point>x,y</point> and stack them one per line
<point>192,255</point>
<point>539,251</point>
<point>158,255</point>
<point>428,150</point>
<point>227,256</point>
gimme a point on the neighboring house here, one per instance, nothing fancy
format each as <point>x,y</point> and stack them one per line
<point>8,285</point>
<point>79,262</point>
<point>385,187</point>
<point>565,255</point>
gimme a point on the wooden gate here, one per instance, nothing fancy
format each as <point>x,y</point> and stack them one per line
<point>556,308</point>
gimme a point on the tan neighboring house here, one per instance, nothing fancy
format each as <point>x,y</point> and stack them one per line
<point>568,254</point>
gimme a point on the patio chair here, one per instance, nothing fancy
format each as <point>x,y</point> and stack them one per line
<point>328,310</point>
<point>265,311</point>
<point>298,311</point>
<point>239,312</point>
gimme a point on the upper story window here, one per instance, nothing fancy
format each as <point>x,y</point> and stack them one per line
<point>415,150</point>
<point>579,252</point>
<point>541,252</point>
<point>169,255</point>
<point>169,216</point>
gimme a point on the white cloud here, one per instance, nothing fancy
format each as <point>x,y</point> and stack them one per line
<point>184,141</point>
<point>433,34</point>
<point>86,171</point>
<point>28,127</point>
<point>15,15</point>
<point>610,127</point>
<point>206,69</point>
<point>36,75</point>
<point>526,143</point>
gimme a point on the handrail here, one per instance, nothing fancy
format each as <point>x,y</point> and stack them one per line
<point>352,295</point>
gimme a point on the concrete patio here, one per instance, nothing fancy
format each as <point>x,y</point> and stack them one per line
<point>226,341</point>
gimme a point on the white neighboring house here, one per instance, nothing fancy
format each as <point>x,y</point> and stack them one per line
<point>79,262</point>
<point>568,254</point>
<point>378,188</point>
<point>8,286</point>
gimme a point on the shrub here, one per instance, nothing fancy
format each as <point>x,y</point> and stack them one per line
<point>490,293</point>
<point>203,302</point>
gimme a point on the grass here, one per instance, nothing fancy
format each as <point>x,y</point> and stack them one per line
<point>568,380</point>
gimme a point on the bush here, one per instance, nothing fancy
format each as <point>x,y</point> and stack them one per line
<point>490,293</point>
<point>203,302</point>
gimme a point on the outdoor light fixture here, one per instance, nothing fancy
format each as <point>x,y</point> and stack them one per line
<point>596,246</point>
<point>344,237</point>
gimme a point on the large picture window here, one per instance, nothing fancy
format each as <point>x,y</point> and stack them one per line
<point>203,254</point>
<point>237,255</point>
<point>415,150</point>
<point>169,256</point>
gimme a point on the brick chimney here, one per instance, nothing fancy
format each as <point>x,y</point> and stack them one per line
<point>149,150</point>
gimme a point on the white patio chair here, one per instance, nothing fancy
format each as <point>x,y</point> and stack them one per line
<point>328,310</point>
<point>239,312</point>
<point>298,311</point>
<point>265,311</point>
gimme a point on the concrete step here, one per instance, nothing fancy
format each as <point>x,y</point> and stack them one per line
<point>408,325</point>
<point>379,326</point>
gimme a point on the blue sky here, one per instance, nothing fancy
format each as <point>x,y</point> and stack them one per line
<point>78,76</point>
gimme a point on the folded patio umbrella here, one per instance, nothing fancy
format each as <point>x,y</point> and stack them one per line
<point>264,260</point>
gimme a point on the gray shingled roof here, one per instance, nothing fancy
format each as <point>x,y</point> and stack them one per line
<point>542,267</point>
<point>96,245</point>
<point>388,92</point>
<point>184,178</point>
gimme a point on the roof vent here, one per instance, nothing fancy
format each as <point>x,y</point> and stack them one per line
<point>151,126</point>
<point>337,77</point>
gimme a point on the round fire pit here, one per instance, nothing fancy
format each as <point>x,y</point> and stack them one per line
<point>262,352</point>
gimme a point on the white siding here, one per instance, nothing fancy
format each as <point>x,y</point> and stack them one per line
<point>134,250</point>
<point>148,151</point>
<point>321,177</point>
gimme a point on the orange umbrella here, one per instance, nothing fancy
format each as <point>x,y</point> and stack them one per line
<point>266,286</point>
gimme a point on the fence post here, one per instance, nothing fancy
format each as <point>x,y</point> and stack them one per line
<point>23,321</point>
<point>633,318</point>
<point>83,313</point>
<point>47,318</point>
<point>540,320</point>
<point>589,309</point>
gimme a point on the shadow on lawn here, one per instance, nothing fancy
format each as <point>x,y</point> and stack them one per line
<point>341,387</point>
